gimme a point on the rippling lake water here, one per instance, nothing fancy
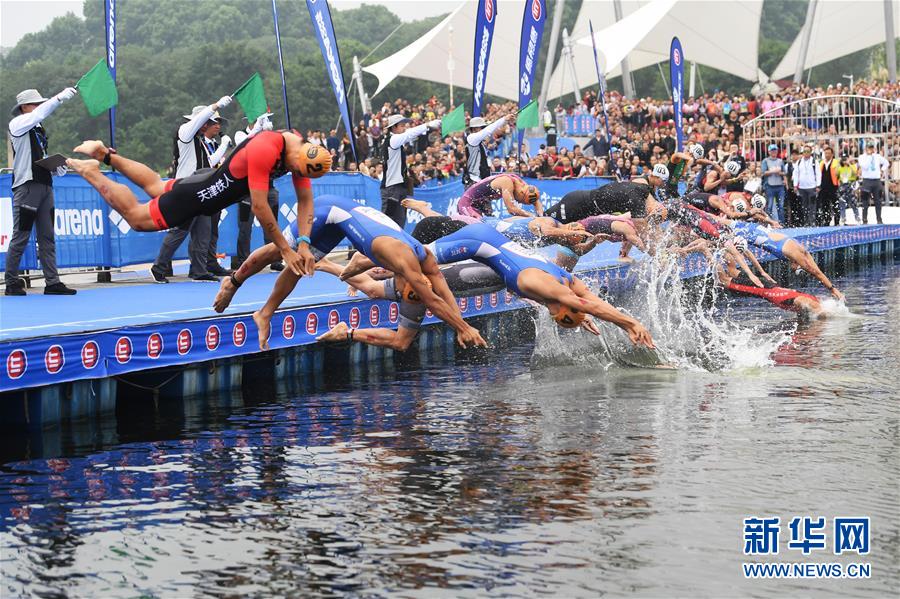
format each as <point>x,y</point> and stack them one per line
<point>510,477</point>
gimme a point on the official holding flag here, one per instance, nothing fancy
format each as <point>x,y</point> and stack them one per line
<point>395,181</point>
<point>33,189</point>
<point>477,165</point>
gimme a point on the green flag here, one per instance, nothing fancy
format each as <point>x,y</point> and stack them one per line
<point>252,98</point>
<point>528,116</point>
<point>455,121</point>
<point>97,89</point>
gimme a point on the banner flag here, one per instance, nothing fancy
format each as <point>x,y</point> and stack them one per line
<point>110,19</point>
<point>676,76</point>
<point>602,99</point>
<point>455,121</point>
<point>320,14</point>
<point>533,21</point>
<point>97,89</point>
<point>287,110</point>
<point>484,35</point>
<point>252,98</point>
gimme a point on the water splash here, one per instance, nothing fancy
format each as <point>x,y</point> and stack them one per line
<point>692,329</point>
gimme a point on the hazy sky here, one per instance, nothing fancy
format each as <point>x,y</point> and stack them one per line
<point>18,17</point>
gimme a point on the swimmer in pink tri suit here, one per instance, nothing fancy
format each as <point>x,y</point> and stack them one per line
<point>476,201</point>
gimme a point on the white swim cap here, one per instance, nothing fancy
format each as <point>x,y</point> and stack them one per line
<point>733,167</point>
<point>758,201</point>
<point>740,243</point>
<point>696,151</point>
<point>739,204</point>
<point>661,171</point>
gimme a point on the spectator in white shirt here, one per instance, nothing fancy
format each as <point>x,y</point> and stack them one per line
<point>872,166</point>
<point>807,180</point>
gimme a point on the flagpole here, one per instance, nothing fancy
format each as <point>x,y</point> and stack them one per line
<point>287,109</point>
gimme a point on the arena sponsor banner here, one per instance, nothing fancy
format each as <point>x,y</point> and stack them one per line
<point>320,13</point>
<point>676,80</point>
<point>484,36</point>
<point>6,223</point>
<point>533,21</point>
<point>109,13</point>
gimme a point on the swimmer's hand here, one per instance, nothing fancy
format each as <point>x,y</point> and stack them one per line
<point>837,294</point>
<point>308,266</point>
<point>590,326</point>
<point>470,337</point>
<point>293,261</point>
<point>755,280</point>
<point>640,335</point>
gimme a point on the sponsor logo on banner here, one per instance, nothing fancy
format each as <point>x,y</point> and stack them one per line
<point>489,10</point>
<point>463,304</point>
<point>239,334</point>
<point>154,346</point>
<point>288,326</point>
<point>312,323</point>
<point>479,302</point>
<point>354,318</point>
<point>123,350</point>
<point>184,342</point>
<point>507,297</point>
<point>54,359</point>
<point>336,80</point>
<point>374,316</point>
<point>90,355</point>
<point>394,312</point>
<point>494,300</point>
<point>536,9</point>
<point>676,56</point>
<point>6,223</point>
<point>78,222</point>
<point>111,35</point>
<point>212,338</point>
<point>333,319</point>
<point>16,363</point>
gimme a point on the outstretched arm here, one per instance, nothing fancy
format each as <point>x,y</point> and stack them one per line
<point>25,122</point>
<point>757,266</point>
<point>473,139</point>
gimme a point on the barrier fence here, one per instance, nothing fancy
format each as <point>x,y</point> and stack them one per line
<point>90,234</point>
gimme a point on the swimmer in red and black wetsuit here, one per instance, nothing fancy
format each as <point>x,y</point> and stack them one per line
<point>786,299</point>
<point>247,171</point>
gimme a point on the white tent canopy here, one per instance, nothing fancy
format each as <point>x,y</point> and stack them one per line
<point>426,58</point>
<point>721,35</point>
<point>840,27</point>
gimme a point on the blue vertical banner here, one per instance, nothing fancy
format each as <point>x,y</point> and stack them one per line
<point>320,14</point>
<point>287,109</point>
<point>109,13</point>
<point>676,77</point>
<point>484,35</point>
<point>533,22</point>
<point>601,80</point>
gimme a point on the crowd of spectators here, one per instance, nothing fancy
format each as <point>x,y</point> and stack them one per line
<point>642,133</point>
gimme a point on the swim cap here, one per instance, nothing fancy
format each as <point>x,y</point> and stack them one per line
<point>758,201</point>
<point>740,243</point>
<point>531,195</point>
<point>696,151</point>
<point>409,294</point>
<point>315,160</point>
<point>661,171</point>
<point>568,318</point>
<point>733,167</point>
<point>739,204</point>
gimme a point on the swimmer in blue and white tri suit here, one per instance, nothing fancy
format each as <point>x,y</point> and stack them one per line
<point>372,234</point>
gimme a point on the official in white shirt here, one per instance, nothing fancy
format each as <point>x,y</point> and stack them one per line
<point>807,180</point>
<point>477,165</point>
<point>872,167</point>
<point>394,180</point>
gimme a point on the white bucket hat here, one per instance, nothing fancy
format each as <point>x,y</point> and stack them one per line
<point>397,119</point>
<point>198,109</point>
<point>28,96</point>
<point>476,121</point>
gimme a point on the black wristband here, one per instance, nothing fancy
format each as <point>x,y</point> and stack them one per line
<point>234,281</point>
<point>109,152</point>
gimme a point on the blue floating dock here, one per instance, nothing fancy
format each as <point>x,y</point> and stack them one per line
<point>103,333</point>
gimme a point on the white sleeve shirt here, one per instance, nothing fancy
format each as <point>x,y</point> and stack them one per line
<point>872,165</point>
<point>807,174</point>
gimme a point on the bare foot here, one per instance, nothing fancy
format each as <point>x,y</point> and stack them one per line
<point>93,148</point>
<point>82,166</point>
<point>264,328</point>
<point>414,205</point>
<point>358,264</point>
<point>338,333</point>
<point>626,259</point>
<point>225,295</point>
<point>351,291</point>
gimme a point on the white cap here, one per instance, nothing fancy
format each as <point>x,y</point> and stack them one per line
<point>733,167</point>
<point>660,170</point>
<point>476,121</point>
<point>696,151</point>
<point>739,204</point>
<point>396,119</point>
<point>740,242</point>
<point>758,201</point>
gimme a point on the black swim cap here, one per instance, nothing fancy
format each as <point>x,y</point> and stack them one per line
<point>432,228</point>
